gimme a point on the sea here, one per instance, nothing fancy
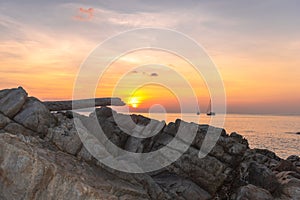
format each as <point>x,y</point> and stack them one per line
<point>277,133</point>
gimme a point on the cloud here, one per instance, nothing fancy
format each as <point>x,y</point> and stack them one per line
<point>85,14</point>
<point>154,74</point>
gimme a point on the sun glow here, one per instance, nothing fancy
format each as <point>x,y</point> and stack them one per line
<point>134,102</point>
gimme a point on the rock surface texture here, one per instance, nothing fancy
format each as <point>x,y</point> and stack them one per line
<point>43,157</point>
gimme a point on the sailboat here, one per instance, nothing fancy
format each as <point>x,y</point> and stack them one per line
<point>209,112</point>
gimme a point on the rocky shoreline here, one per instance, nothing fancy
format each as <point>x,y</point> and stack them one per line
<point>42,157</point>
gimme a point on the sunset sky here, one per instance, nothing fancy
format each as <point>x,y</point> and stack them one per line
<point>255,45</point>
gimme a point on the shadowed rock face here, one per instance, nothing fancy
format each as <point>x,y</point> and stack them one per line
<point>42,157</point>
<point>22,114</point>
<point>11,101</point>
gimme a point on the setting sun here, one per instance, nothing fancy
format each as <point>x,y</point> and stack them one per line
<point>134,102</point>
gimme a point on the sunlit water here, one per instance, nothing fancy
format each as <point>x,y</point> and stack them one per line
<point>276,133</point>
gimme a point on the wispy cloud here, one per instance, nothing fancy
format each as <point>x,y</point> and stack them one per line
<point>31,56</point>
<point>153,74</point>
<point>99,15</point>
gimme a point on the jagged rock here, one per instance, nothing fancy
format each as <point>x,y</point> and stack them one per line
<point>65,136</point>
<point>29,172</point>
<point>250,192</point>
<point>263,157</point>
<point>137,144</point>
<point>180,188</point>
<point>232,146</point>
<point>267,153</point>
<point>239,138</point>
<point>108,125</point>
<point>35,116</point>
<point>261,176</point>
<point>208,172</point>
<point>295,160</point>
<point>103,112</point>
<point>11,101</point>
<point>139,119</point>
<point>286,165</point>
<point>66,140</point>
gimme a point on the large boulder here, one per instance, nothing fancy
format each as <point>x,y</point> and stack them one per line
<point>29,172</point>
<point>12,100</point>
<point>250,192</point>
<point>207,172</point>
<point>35,116</point>
<point>261,176</point>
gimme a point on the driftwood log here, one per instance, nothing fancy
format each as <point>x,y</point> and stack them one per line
<point>83,103</point>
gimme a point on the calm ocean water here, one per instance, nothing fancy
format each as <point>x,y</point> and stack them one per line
<point>276,133</point>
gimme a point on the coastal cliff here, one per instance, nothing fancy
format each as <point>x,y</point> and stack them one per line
<point>42,157</point>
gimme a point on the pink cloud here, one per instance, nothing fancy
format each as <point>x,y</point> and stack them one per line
<point>85,14</point>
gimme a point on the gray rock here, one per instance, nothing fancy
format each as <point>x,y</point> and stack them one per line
<point>152,187</point>
<point>4,92</point>
<point>103,112</point>
<point>295,160</point>
<point>290,184</point>
<point>66,140</point>
<point>3,121</point>
<point>84,154</point>
<point>250,192</point>
<point>35,116</point>
<point>261,176</point>
<point>286,165</point>
<point>16,128</point>
<point>134,144</point>
<point>269,154</point>
<point>31,173</point>
<point>181,188</point>
<point>11,101</point>
<point>207,172</point>
<point>112,132</point>
<point>232,145</point>
<point>237,149</point>
<point>263,157</point>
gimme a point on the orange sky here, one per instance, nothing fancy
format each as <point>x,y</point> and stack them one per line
<point>260,66</point>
